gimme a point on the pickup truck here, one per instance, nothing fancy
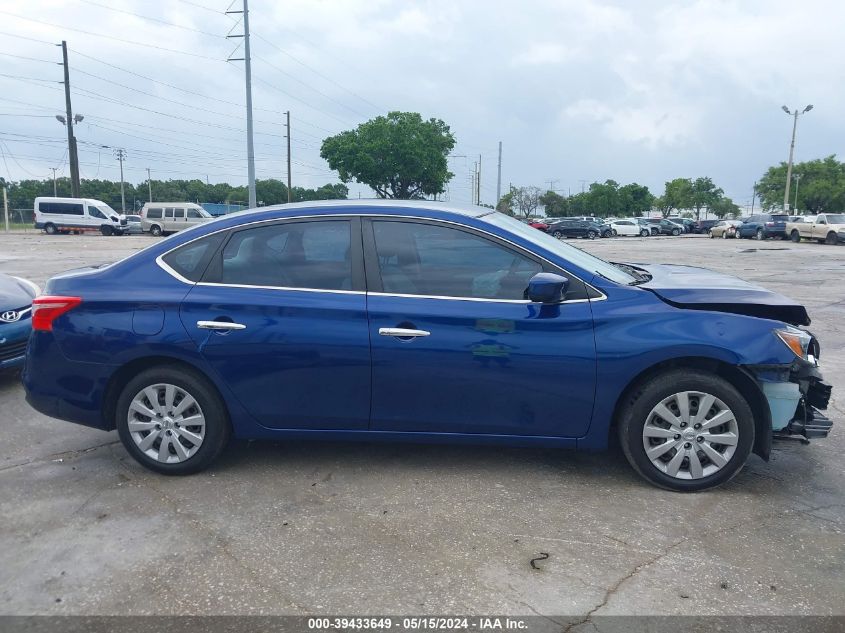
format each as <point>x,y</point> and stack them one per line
<point>827,228</point>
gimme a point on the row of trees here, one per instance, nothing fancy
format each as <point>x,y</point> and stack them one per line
<point>610,199</point>
<point>819,185</point>
<point>271,191</point>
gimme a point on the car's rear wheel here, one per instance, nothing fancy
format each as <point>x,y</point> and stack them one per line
<point>759,234</point>
<point>614,233</point>
<point>557,234</point>
<point>155,229</point>
<point>831,238</point>
<point>592,234</point>
<point>644,233</point>
<point>676,232</point>
<point>795,236</point>
<point>687,430</point>
<point>50,229</point>
<point>172,421</point>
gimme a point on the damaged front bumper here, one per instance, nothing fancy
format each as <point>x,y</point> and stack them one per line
<point>796,395</point>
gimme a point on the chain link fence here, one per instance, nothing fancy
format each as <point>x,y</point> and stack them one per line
<point>19,220</point>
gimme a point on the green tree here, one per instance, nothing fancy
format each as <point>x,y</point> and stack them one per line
<point>526,200</point>
<point>399,155</point>
<point>603,199</point>
<point>703,194</point>
<point>821,187</point>
<point>556,205</point>
<point>724,206</point>
<point>506,204</point>
<point>676,195</point>
<point>635,200</point>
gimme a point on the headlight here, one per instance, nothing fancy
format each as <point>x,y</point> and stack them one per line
<point>797,340</point>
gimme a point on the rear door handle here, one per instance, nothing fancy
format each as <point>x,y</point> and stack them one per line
<point>220,325</point>
<point>399,332</point>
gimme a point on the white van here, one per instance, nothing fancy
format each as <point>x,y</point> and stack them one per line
<point>75,215</point>
<point>167,217</point>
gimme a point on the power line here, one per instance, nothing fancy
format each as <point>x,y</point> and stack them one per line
<point>151,19</point>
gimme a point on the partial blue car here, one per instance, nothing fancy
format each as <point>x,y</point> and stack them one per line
<point>421,322</point>
<point>16,295</point>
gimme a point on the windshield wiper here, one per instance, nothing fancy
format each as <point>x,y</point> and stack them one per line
<point>640,276</point>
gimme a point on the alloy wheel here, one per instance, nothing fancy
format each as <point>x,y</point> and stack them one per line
<point>166,423</point>
<point>690,435</point>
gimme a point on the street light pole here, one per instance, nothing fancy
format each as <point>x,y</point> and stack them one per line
<point>797,181</point>
<point>794,116</point>
<point>55,194</point>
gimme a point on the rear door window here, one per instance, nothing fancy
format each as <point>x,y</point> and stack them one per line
<point>180,213</point>
<point>154,213</point>
<point>168,212</point>
<point>311,255</point>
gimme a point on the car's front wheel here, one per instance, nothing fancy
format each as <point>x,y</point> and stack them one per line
<point>557,235</point>
<point>759,234</point>
<point>155,230</point>
<point>686,430</point>
<point>795,236</point>
<point>172,421</point>
<point>831,238</point>
<point>592,235</point>
<point>676,232</point>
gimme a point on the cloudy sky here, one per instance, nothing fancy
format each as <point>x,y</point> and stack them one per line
<point>577,91</point>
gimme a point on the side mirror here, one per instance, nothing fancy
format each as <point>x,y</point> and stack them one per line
<point>547,288</point>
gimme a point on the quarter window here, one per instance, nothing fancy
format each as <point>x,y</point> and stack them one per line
<point>154,213</point>
<point>314,255</point>
<point>191,259</point>
<point>425,259</point>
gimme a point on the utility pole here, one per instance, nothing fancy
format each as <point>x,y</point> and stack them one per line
<point>794,116</point>
<point>55,189</point>
<point>287,125</point>
<point>499,177</point>
<point>797,181</point>
<point>478,182</point>
<point>71,140</point>
<point>551,182</point>
<point>753,195</point>
<point>149,185</point>
<point>6,207</point>
<point>583,182</point>
<point>250,150</point>
<point>472,177</point>
<point>120,154</point>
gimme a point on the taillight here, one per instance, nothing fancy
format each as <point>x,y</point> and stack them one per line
<point>46,309</point>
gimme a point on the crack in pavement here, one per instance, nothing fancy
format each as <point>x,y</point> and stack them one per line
<point>54,456</point>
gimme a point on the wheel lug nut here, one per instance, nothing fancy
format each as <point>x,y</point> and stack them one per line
<point>683,425</point>
<point>699,439</point>
<point>696,426</point>
<point>687,445</point>
<point>677,436</point>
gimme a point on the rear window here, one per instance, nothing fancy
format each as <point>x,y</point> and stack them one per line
<point>191,259</point>
<point>154,213</point>
<point>65,208</point>
<point>780,218</point>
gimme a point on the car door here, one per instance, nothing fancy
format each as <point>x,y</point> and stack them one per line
<point>455,346</point>
<point>193,217</point>
<point>167,221</point>
<point>280,315</point>
<point>820,227</point>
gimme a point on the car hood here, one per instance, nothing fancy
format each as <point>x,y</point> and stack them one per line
<point>702,289</point>
<point>14,293</point>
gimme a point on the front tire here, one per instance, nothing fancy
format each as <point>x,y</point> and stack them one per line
<point>831,238</point>
<point>155,230</point>
<point>172,421</point>
<point>592,235</point>
<point>106,230</point>
<point>686,430</point>
<point>645,233</point>
<point>557,235</point>
<point>50,229</point>
<point>676,232</point>
<point>759,235</point>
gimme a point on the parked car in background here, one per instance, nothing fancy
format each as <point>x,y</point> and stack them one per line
<point>762,226</point>
<point>704,226</point>
<point>77,215</point>
<point>579,228</point>
<point>133,225</point>
<point>161,218</point>
<point>687,223</point>
<point>651,224</point>
<point>539,225</point>
<point>431,322</point>
<point>16,295</point>
<point>724,229</point>
<point>629,227</point>
<point>670,227</point>
<point>826,228</point>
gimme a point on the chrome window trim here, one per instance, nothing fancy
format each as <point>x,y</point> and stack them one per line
<point>160,261</point>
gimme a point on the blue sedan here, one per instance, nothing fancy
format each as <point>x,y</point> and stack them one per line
<point>421,322</point>
<point>16,297</point>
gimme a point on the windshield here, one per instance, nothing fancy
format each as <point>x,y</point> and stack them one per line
<point>566,251</point>
<point>838,218</point>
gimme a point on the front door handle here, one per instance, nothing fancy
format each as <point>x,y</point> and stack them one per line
<point>399,332</point>
<point>220,325</point>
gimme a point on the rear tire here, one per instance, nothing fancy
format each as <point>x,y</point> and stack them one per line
<point>759,235</point>
<point>676,232</point>
<point>155,230</point>
<point>644,233</point>
<point>591,234</point>
<point>50,229</point>
<point>698,464</point>
<point>712,236</point>
<point>557,235</point>
<point>199,443</point>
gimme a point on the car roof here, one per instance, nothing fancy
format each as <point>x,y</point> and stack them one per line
<point>473,211</point>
